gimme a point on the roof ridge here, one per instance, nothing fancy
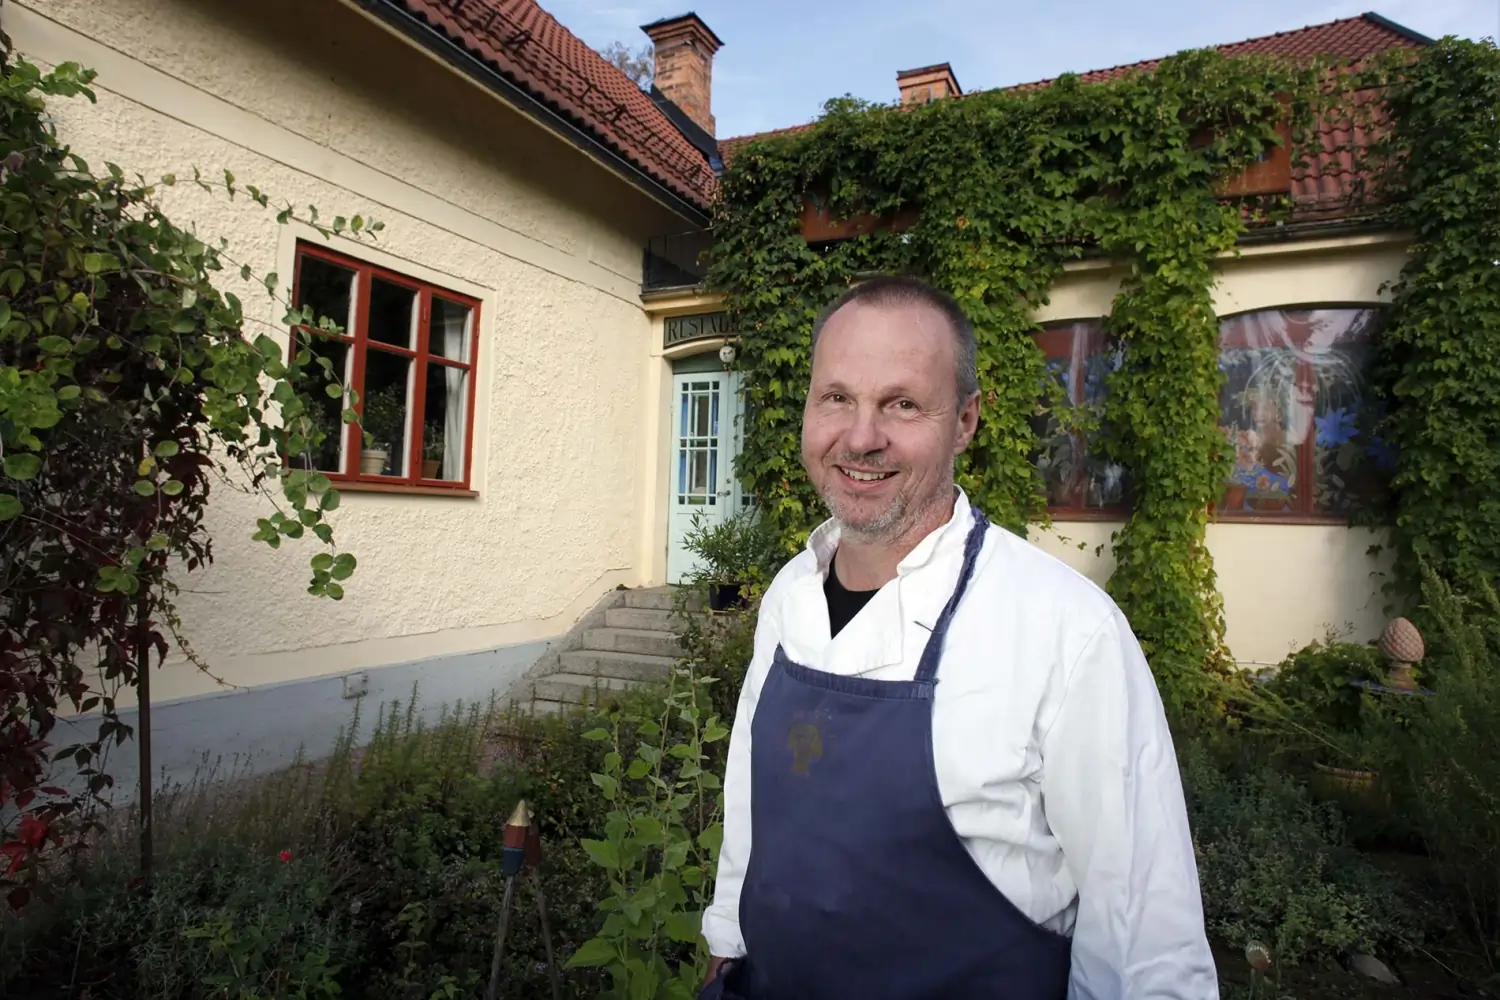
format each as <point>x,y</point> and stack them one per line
<point>1375,20</point>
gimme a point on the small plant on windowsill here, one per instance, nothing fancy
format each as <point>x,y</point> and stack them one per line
<point>732,553</point>
<point>384,418</point>
<point>432,449</point>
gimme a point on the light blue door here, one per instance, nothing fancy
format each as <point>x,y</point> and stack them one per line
<point>706,434</point>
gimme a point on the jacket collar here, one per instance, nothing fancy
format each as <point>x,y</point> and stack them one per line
<point>883,641</point>
<point>824,540</point>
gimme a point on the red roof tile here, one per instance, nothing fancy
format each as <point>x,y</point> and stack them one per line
<point>530,48</point>
<point>1328,183</point>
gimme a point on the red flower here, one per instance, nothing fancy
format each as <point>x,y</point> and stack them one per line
<point>286,856</point>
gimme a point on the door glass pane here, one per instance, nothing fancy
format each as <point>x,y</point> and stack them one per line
<point>386,407</point>
<point>325,414</point>
<point>393,314</point>
<point>698,445</point>
<point>327,289</point>
<point>449,337</point>
<point>445,422</point>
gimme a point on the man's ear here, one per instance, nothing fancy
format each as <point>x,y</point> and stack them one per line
<point>968,423</point>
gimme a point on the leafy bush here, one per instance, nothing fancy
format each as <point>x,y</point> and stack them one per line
<point>127,385</point>
<point>738,549</point>
<point>1447,760</point>
<point>1314,681</point>
<point>660,843</point>
<point>1274,867</point>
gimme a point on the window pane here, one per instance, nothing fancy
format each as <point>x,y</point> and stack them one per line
<point>1266,409</point>
<point>327,288</point>
<point>449,337</point>
<point>1350,463</point>
<point>1265,419</point>
<point>1067,425</point>
<point>445,422</point>
<point>393,313</point>
<point>325,414</point>
<point>387,391</point>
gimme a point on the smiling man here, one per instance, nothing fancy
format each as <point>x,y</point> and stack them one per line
<point>950,775</point>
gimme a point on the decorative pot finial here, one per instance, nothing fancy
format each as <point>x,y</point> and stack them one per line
<point>1401,645</point>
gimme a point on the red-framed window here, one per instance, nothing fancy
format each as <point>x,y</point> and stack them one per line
<point>409,349</point>
<point>1080,482</point>
<point>1298,413</point>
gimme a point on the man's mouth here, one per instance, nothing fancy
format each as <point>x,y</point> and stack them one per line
<point>860,476</point>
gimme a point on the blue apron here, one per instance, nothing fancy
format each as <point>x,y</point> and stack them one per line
<point>858,886</point>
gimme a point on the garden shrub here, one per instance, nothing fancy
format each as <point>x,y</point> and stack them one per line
<point>1275,867</point>
<point>1446,767</point>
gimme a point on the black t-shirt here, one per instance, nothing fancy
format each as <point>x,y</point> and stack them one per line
<point>843,603</point>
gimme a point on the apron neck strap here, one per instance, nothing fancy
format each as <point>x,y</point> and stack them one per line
<point>933,651</point>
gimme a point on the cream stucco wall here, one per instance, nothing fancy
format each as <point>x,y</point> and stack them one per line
<point>317,104</point>
<point>1284,585</point>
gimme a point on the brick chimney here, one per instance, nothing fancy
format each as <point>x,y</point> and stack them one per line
<point>930,83</point>
<point>684,70</point>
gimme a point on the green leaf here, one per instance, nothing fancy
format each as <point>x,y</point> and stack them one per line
<point>157,542</point>
<point>343,566</point>
<point>333,390</point>
<point>322,562</point>
<point>93,263</point>
<point>54,344</point>
<point>683,927</point>
<point>638,769</point>
<point>145,487</point>
<point>166,449</point>
<point>183,323</point>
<point>23,465</point>
<point>596,735</point>
<point>4,311</point>
<point>329,500</point>
<point>334,591</point>
<point>68,393</point>
<point>594,953</point>
<point>608,784</point>
<point>10,507</point>
<point>603,853</point>
<point>172,487</point>
<point>324,533</point>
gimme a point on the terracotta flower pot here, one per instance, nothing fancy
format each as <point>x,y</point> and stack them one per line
<point>430,467</point>
<point>372,461</point>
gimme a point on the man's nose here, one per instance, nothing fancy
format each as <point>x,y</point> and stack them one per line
<point>865,434</point>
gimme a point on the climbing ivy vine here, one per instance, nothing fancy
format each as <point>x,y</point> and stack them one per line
<point>1007,188</point>
<point>1440,354</point>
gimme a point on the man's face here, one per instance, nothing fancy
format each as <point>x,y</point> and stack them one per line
<point>882,422</point>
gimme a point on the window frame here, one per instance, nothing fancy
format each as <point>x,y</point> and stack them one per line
<point>1041,336</point>
<point>1306,512</point>
<point>356,337</point>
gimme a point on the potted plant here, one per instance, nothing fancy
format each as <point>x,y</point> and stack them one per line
<point>383,419</point>
<point>1320,694</point>
<point>731,552</point>
<point>432,449</point>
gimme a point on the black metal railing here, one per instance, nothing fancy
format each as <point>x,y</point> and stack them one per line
<point>677,260</point>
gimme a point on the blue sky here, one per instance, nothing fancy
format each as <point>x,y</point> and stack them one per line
<point>783,58</point>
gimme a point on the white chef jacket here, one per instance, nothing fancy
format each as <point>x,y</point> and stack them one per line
<point>1052,752</point>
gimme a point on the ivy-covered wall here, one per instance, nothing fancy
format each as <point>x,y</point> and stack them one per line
<point>1009,186</point>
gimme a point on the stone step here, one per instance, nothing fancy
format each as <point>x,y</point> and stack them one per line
<point>624,667</point>
<point>632,640</point>
<point>660,599</point>
<point>649,619</point>
<point>574,689</point>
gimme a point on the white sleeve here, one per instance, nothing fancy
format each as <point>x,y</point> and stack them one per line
<point>721,921</point>
<point>1114,801</point>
